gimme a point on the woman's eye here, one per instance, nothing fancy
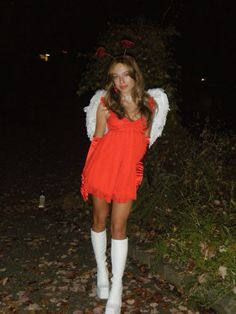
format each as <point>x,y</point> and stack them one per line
<point>124,75</point>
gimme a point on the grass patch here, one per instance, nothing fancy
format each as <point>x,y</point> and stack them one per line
<point>188,197</point>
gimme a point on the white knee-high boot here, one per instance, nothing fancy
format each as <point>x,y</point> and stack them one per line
<point>99,243</point>
<point>119,249</point>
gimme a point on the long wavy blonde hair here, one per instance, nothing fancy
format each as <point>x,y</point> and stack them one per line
<point>139,96</point>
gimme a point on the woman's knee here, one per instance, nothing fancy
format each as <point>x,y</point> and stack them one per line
<point>99,220</point>
<point>99,223</point>
<point>100,214</point>
<point>118,231</point>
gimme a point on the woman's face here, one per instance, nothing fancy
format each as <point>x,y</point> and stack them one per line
<point>121,78</point>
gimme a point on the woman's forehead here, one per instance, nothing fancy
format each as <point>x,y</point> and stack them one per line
<point>120,68</point>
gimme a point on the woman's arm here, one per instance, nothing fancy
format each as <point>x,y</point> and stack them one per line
<point>101,120</point>
<point>152,107</point>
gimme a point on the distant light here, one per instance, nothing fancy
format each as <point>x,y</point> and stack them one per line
<point>44,56</point>
<point>203,79</point>
<point>64,51</point>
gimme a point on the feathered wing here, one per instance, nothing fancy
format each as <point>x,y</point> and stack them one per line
<point>159,119</point>
<point>91,111</point>
<point>160,114</point>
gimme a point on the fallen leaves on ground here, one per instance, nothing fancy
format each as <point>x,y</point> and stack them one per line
<point>49,267</point>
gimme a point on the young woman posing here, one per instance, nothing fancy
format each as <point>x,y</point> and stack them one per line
<point>114,170</point>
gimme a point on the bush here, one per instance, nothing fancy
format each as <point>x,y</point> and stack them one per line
<point>152,49</point>
<point>190,198</point>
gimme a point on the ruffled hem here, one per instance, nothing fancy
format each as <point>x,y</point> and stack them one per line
<point>85,191</point>
<point>110,198</point>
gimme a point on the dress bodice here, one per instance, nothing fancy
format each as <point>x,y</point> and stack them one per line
<point>116,124</point>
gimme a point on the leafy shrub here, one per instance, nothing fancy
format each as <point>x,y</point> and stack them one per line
<point>189,192</point>
<point>152,49</point>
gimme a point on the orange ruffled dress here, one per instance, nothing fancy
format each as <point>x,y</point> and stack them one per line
<point>113,170</point>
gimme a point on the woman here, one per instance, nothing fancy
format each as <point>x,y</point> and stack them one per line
<point>113,169</point>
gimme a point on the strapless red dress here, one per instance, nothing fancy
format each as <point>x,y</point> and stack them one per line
<point>114,169</point>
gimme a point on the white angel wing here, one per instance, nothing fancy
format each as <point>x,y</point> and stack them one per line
<point>160,114</point>
<point>91,111</point>
<point>159,117</point>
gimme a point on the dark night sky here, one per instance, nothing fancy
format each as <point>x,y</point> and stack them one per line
<point>73,24</point>
<point>206,45</point>
<point>207,27</point>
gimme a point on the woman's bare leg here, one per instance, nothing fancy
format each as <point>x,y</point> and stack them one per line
<point>100,214</point>
<point>119,217</point>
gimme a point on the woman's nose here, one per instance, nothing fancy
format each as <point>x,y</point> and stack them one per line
<point>121,79</point>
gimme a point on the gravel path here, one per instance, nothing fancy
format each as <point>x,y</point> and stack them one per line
<point>47,266</point>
